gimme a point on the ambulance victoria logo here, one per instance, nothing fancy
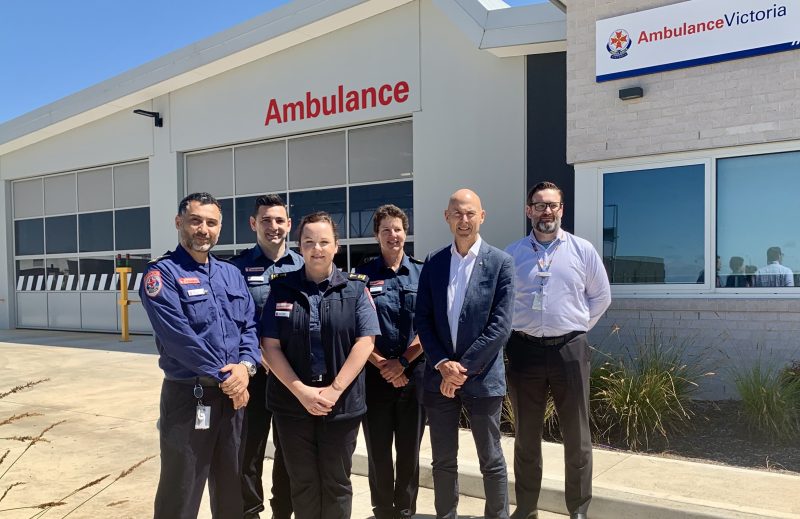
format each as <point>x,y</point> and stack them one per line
<point>152,283</point>
<point>618,44</point>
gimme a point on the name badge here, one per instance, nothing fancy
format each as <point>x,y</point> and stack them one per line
<point>189,281</point>
<point>254,269</point>
<point>197,292</point>
<point>375,290</point>
<point>538,301</point>
<point>544,274</point>
<point>255,278</point>
<point>283,309</point>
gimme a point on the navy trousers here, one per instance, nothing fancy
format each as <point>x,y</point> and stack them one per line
<point>484,420</point>
<point>190,457</point>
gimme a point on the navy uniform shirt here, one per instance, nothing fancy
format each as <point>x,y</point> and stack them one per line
<point>202,315</point>
<point>395,296</point>
<point>257,269</point>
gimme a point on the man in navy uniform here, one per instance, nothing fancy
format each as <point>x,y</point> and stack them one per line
<point>271,223</point>
<point>203,320</point>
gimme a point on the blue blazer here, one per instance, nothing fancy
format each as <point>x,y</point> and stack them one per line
<point>484,324</point>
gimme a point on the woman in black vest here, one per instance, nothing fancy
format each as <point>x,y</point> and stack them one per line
<point>318,329</point>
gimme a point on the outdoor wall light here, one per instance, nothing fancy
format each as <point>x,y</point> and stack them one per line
<point>631,93</point>
<point>157,116</point>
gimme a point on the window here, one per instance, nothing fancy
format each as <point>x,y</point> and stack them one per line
<point>317,161</point>
<point>653,225</point>
<point>332,201</point>
<point>132,228</point>
<point>381,152</point>
<point>61,234</point>
<point>29,237</point>
<point>96,231</point>
<point>757,215</point>
<point>365,199</point>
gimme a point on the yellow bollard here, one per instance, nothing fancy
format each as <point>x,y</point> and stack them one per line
<point>124,301</point>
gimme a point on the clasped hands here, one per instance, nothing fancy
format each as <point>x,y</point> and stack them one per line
<point>236,385</point>
<point>392,372</point>
<point>453,377</point>
<point>319,401</point>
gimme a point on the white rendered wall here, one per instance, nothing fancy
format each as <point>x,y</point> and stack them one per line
<point>469,133</point>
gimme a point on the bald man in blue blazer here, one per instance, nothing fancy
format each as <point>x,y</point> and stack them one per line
<point>463,317</point>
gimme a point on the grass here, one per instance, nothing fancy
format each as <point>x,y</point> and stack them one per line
<point>771,399</point>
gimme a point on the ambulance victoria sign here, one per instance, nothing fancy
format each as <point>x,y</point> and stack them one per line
<point>693,33</point>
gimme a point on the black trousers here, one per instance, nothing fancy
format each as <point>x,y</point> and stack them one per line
<point>319,458</point>
<point>484,419</point>
<point>189,456</point>
<point>394,415</point>
<point>257,421</point>
<point>565,370</point>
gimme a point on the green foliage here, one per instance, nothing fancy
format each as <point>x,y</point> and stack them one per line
<point>646,391</point>
<point>771,399</point>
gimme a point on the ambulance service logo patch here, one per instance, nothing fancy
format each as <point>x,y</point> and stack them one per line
<point>153,283</point>
<point>618,44</point>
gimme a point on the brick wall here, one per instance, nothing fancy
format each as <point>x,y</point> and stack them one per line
<point>723,334</point>
<point>745,101</point>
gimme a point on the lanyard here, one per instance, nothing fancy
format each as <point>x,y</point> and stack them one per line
<point>545,266</point>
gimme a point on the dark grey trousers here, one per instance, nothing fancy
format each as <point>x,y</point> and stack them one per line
<point>565,370</point>
<point>484,419</point>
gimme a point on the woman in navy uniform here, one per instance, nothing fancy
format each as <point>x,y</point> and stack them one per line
<point>394,372</point>
<point>318,329</point>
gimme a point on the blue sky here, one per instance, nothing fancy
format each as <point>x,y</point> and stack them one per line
<point>52,48</point>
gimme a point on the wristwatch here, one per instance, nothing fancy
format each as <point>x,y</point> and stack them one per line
<point>251,368</point>
<point>403,361</point>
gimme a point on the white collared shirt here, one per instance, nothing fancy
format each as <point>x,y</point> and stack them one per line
<point>460,272</point>
<point>574,295</point>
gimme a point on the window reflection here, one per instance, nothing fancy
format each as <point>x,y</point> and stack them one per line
<point>758,247</point>
<point>653,225</point>
<point>331,201</point>
<point>96,273</point>
<point>30,274</point>
<point>62,274</point>
<point>365,199</point>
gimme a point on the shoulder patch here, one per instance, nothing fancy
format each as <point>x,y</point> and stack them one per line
<point>277,275</point>
<point>163,256</point>
<point>359,277</point>
<point>153,283</point>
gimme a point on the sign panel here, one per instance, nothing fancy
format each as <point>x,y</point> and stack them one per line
<point>693,33</point>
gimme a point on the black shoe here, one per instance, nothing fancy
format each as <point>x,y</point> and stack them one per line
<point>531,515</point>
<point>577,515</point>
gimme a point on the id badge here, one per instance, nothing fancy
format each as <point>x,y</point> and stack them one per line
<point>538,301</point>
<point>202,418</point>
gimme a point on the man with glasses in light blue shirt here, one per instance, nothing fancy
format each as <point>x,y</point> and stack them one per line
<point>562,290</point>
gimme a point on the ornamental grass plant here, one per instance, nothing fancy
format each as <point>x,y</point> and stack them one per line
<point>645,392</point>
<point>771,400</point>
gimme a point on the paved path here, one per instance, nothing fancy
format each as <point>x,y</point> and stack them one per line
<point>104,396</point>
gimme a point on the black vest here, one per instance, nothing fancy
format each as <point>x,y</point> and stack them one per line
<point>338,326</point>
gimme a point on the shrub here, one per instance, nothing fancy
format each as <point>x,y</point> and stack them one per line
<point>646,391</point>
<point>770,399</point>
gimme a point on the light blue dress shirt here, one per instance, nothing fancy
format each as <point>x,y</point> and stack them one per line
<point>573,296</point>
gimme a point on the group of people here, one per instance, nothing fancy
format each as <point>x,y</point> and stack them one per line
<point>773,274</point>
<point>273,337</point>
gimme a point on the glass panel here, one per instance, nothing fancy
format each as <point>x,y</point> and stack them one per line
<point>59,194</point>
<point>758,250</point>
<point>261,168</point>
<point>95,190</point>
<point>30,274</point>
<point>61,234</point>
<point>228,223</point>
<point>131,185</point>
<point>96,273</point>
<point>29,237</point>
<point>211,172</point>
<point>132,229</point>
<point>381,152</point>
<point>96,231</point>
<point>138,264</point>
<point>317,161</point>
<point>62,274</point>
<point>332,201</point>
<point>28,199</point>
<point>365,199</point>
<point>653,228</point>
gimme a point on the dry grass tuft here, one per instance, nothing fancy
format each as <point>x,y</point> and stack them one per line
<point>33,441</point>
<point>24,439</point>
<point>117,503</point>
<point>12,419</point>
<point>12,485</point>
<point>17,389</point>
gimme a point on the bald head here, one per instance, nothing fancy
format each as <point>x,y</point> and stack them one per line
<point>464,215</point>
<point>464,196</point>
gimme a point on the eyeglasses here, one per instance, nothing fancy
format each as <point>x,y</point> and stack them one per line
<point>541,206</point>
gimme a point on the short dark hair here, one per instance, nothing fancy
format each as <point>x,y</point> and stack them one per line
<point>774,254</point>
<point>271,200</point>
<point>541,186</point>
<point>319,216</point>
<point>388,211</point>
<point>203,198</point>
